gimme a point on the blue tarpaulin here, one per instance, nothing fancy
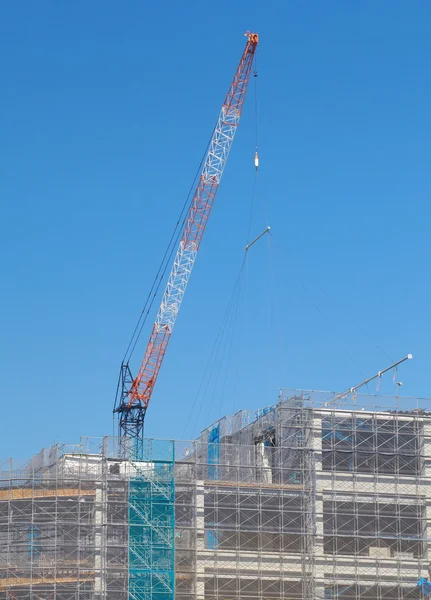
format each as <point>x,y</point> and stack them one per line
<point>214,453</point>
<point>425,585</point>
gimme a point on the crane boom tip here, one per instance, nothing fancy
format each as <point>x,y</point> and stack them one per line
<point>253,37</point>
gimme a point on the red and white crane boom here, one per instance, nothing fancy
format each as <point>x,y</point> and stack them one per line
<point>134,402</point>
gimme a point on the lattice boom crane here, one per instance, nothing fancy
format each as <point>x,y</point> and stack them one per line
<point>133,402</point>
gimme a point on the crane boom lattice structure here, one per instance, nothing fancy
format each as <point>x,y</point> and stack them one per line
<point>134,400</point>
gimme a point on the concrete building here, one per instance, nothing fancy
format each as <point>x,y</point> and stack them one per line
<point>301,500</point>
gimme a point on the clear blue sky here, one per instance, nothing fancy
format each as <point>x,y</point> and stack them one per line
<point>106,109</point>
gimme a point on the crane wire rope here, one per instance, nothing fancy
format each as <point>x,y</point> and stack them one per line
<point>276,354</point>
<point>327,321</point>
<point>225,336</point>
<point>274,283</point>
<point>319,287</point>
<point>253,195</point>
<point>229,340</point>
<point>228,327</point>
<point>221,351</point>
<point>255,76</point>
<point>161,272</point>
<point>209,368</point>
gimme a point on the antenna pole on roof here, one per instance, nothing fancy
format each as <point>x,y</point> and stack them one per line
<point>352,390</point>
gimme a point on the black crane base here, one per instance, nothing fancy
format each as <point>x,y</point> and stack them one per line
<point>131,418</point>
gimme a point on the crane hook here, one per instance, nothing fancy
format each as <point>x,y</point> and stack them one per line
<point>256,160</point>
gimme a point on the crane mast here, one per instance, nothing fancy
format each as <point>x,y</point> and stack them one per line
<point>132,402</point>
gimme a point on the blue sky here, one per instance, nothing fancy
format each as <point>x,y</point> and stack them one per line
<point>105,113</point>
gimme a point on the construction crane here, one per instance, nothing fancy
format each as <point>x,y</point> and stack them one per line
<point>134,394</point>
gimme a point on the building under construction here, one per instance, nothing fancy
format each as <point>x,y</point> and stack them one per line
<point>301,500</point>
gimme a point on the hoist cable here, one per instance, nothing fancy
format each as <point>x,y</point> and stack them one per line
<point>209,368</point>
<point>253,195</point>
<point>352,316</point>
<point>170,248</point>
<point>255,76</point>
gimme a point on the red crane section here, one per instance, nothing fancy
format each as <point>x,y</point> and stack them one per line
<point>134,402</point>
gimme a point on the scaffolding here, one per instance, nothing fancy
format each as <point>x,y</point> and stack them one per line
<point>152,523</point>
<point>302,500</point>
